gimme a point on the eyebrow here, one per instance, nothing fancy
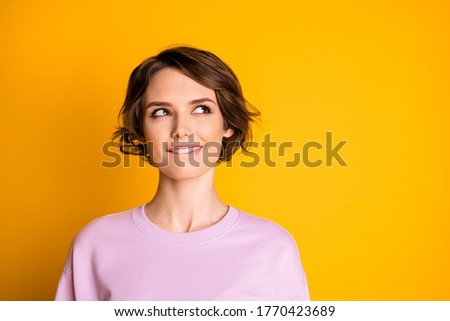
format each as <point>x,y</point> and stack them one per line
<point>167,104</point>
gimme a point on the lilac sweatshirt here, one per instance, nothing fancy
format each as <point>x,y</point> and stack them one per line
<point>125,256</point>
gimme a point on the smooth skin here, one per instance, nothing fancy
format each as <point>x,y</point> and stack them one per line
<point>179,112</point>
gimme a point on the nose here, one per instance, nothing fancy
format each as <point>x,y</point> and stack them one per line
<point>181,127</point>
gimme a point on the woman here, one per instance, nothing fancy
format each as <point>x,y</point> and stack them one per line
<point>184,112</point>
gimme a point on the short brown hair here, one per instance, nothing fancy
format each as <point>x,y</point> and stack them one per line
<point>206,69</point>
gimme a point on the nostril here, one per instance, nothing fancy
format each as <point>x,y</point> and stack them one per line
<point>182,134</point>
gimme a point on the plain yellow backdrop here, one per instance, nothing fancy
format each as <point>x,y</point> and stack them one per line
<point>376,75</point>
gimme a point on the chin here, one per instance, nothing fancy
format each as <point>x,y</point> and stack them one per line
<point>179,173</point>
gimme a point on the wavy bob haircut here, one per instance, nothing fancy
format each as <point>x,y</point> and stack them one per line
<point>206,69</point>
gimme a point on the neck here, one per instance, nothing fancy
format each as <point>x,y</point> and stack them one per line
<point>186,205</point>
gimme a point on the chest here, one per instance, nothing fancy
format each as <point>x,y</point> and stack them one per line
<point>220,272</point>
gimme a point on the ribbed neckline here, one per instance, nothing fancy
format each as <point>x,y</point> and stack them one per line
<point>212,232</point>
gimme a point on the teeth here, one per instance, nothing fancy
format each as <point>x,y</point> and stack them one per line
<point>185,150</point>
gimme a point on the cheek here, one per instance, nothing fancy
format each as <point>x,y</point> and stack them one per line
<point>153,133</point>
<point>155,143</point>
<point>212,137</point>
<point>212,130</point>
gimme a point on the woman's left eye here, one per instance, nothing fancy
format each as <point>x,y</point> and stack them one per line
<point>202,109</point>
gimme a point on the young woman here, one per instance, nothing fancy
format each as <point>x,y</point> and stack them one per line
<point>184,112</point>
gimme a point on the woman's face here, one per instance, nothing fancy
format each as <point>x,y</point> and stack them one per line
<point>183,125</point>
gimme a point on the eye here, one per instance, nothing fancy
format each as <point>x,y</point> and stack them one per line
<point>159,113</point>
<point>202,109</point>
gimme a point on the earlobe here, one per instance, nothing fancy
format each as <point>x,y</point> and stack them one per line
<point>228,133</point>
<point>141,140</point>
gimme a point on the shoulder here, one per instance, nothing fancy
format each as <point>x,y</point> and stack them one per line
<point>265,228</point>
<point>104,227</point>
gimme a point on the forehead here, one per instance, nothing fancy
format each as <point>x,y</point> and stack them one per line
<point>170,84</point>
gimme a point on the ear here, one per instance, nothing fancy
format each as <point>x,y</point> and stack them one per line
<point>141,140</point>
<point>227,133</point>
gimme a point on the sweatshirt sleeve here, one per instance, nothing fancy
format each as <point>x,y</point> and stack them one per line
<point>65,290</point>
<point>78,280</point>
<point>292,284</point>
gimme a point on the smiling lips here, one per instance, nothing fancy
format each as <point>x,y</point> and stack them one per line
<point>184,149</point>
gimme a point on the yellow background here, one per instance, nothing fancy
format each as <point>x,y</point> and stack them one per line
<point>375,74</point>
